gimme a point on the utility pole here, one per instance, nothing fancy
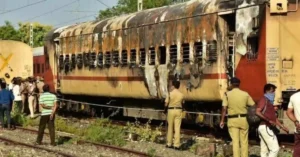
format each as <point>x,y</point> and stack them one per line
<point>31,35</point>
<point>140,5</point>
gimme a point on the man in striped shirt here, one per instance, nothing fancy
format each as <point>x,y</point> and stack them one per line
<point>48,104</point>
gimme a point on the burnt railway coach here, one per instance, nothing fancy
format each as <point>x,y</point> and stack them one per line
<point>15,60</point>
<point>202,43</point>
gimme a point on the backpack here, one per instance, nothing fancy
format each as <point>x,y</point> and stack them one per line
<point>252,118</point>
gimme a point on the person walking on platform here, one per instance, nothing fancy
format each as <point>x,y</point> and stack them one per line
<point>174,104</point>
<point>293,113</point>
<point>266,130</point>
<point>6,99</point>
<point>236,101</point>
<point>48,104</point>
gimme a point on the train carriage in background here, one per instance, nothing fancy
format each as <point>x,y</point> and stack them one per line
<point>202,43</point>
<point>15,60</point>
<point>40,67</point>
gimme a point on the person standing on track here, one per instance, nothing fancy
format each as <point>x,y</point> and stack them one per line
<point>293,113</point>
<point>6,99</point>
<point>17,106</point>
<point>236,101</point>
<point>266,130</point>
<point>31,97</point>
<point>40,84</point>
<point>174,103</point>
<point>48,104</point>
<point>24,93</point>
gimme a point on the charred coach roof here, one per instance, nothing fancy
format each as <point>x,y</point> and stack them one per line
<point>151,16</point>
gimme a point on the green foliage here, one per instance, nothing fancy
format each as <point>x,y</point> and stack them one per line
<point>151,152</point>
<point>9,32</point>
<point>130,6</point>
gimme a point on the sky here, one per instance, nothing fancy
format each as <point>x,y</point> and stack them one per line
<point>74,11</point>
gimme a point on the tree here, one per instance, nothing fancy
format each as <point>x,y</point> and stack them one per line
<point>130,6</point>
<point>8,32</point>
<point>39,31</point>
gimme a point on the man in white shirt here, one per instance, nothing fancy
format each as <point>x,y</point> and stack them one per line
<point>293,113</point>
<point>17,107</point>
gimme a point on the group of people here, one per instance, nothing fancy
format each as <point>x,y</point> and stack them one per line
<point>235,103</point>
<point>22,93</point>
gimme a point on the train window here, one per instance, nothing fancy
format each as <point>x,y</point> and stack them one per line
<point>152,56</point>
<point>124,58</point>
<point>73,61</point>
<point>100,60</point>
<point>43,68</point>
<point>79,61</point>
<point>252,48</point>
<point>162,55</point>
<point>61,62</point>
<point>115,58</point>
<point>34,70</point>
<point>212,52</point>
<point>142,56</point>
<point>173,54</point>
<point>86,59</point>
<point>107,59</point>
<point>185,53</point>
<point>92,60</point>
<point>132,58</point>
<point>67,63</point>
<point>198,48</point>
<point>38,70</point>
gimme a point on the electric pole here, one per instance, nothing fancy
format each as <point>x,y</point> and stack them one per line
<point>140,5</point>
<point>31,35</point>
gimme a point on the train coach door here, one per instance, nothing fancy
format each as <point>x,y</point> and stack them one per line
<point>231,55</point>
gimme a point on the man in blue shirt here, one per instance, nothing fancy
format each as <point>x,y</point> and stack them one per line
<point>6,99</point>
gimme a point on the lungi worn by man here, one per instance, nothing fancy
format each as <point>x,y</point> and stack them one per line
<point>174,103</point>
<point>236,101</point>
<point>48,104</point>
<point>293,113</point>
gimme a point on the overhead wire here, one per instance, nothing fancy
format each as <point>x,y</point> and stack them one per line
<point>103,3</point>
<point>25,6</point>
<point>51,11</point>
<point>75,19</point>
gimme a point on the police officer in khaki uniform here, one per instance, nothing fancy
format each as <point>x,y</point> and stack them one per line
<point>174,103</point>
<point>39,83</point>
<point>236,101</point>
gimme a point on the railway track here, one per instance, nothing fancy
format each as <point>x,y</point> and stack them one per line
<point>34,147</point>
<point>110,147</point>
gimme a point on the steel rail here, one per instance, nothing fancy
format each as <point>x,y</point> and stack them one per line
<point>119,149</point>
<point>33,146</point>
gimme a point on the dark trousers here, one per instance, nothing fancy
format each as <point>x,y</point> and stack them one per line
<point>5,109</point>
<point>45,120</point>
<point>297,146</point>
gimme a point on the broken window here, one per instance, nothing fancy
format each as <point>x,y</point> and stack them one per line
<point>61,62</point>
<point>173,54</point>
<point>100,60</point>
<point>107,59</point>
<point>115,58</point>
<point>92,60</point>
<point>152,56</point>
<point>79,61</point>
<point>198,47</point>
<point>124,58</point>
<point>142,56</point>
<point>132,58</point>
<point>162,55</point>
<point>185,53</point>
<point>252,48</point>
<point>73,61</point>
<point>67,63</point>
<point>212,52</point>
<point>86,59</point>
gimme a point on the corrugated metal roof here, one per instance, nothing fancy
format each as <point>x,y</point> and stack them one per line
<point>38,51</point>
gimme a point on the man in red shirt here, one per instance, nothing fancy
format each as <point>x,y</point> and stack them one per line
<point>265,110</point>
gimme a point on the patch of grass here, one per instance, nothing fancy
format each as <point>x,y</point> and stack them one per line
<point>151,152</point>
